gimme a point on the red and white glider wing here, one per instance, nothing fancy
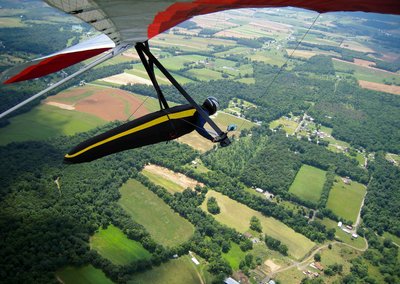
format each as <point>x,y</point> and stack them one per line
<point>57,61</point>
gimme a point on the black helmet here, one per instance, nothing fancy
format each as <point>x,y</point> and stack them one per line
<point>211,105</point>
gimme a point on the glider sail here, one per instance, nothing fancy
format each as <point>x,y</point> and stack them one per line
<point>58,61</point>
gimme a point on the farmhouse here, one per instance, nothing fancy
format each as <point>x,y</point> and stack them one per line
<point>318,265</point>
<point>259,190</point>
<point>340,224</point>
<point>346,180</point>
<point>354,236</point>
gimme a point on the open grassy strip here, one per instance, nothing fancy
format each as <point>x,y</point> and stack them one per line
<point>308,183</point>
<point>46,121</point>
<point>237,216</point>
<point>165,226</point>
<point>345,199</point>
<point>113,244</point>
<point>175,271</point>
<point>82,275</point>
<point>359,242</point>
<point>169,185</point>
<point>392,237</point>
<point>205,74</point>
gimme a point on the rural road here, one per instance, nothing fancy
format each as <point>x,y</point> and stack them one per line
<point>303,264</point>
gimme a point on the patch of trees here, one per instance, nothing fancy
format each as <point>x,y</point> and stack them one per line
<point>212,206</point>
<point>26,39</point>
<point>275,244</point>
<point>247,263</point>
<point>255,224</point>
<point>380,211</point>
<point>319,64</point>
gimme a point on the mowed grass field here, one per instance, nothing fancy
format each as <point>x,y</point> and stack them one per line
<point>345,200</point>
<point>165,226</point>
<point>175,271</point>
<point>237,216</point>
<point>113,244</point>
<point>308,183</point>
<point>169,185</point>
<point>47,121</point>
<point>82,275</point>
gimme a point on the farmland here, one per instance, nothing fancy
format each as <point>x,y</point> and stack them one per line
<point>47,121</point>
<point>234,256</point>
<point>237,216</point>
<point>308,183</point>
<point>164,225</point>
<point>345,200</point>
<point>82,275</point>
<point>113,244</point>
<point>175,271</point>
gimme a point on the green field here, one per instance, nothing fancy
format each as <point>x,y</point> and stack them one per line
<point>46,121</point>
<point>234,256</point>
<point>308,183</point>
<point>237,216</point>
<point>169,185</point>
<point>345,200</point>
<point>205,74</point>
<point>165,226</point>
<point>82,275</point>
<point>175,271</point>
<point>113,244</point>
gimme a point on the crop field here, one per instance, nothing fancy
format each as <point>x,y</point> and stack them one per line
<point>205,74</point>
<point>114,245</point>
<point>392,89</point>
<point>289,126</point>
<point>165,226</point>
<point>308,183</point>
<point>170,180</point>
<point>366,73</point>
<point>47,121</point>
<point>178,62</point>
<point>175,271</point>
<point>237,216</point>
<point>345,200</point>
<point>343,236</point>
<point>82,275</point>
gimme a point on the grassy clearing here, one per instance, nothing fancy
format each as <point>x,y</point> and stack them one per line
<point>114,245</point>
<point>289,126</point>
<point>205,74</point>
<point>292,276</point>
<point>169,185</point>
<point>178,62</point>
<point>47,121</point>
<point>175,271</point>
<point>164,225</point>
<point>308,183</point>
<point>345,200</point>
<point>82,275</point>
<point>343,236</point>
<point>237,216</point>
<point>234,256</point>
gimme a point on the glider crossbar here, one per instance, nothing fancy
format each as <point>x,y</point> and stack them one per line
<point>199,109</point>
<point>149,66</point>
<point>96,62</point>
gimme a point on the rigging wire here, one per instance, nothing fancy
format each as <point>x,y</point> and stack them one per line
<point>287,60</point>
